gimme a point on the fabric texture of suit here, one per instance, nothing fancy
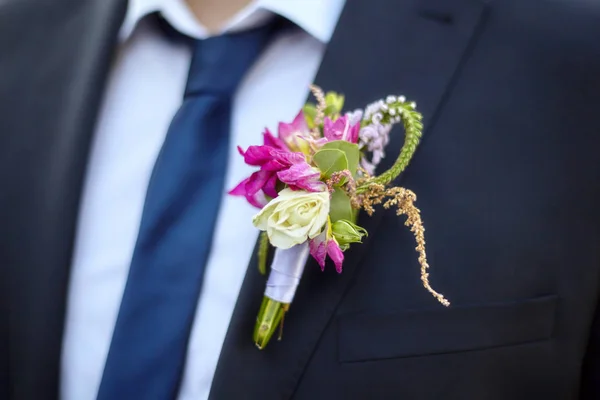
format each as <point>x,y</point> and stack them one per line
<point>507,178</point>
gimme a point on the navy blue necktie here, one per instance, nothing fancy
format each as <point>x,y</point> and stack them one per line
<point>148,348</point>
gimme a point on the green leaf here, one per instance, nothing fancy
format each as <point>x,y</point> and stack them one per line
<point>340,207</point>
<point>310,112</point>
<point>331,112</point>
<point>355,212</point>
<point>334,102</point>
<point>330,161</point>
<point>350,150</point>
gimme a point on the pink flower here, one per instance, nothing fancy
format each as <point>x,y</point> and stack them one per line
<point>325,245</point>
<point>272,157</point>
<point>280,158</point>
<point>296,135</point>
<point>297,127</point>
<point>302,176</point>
<point>341,129</point>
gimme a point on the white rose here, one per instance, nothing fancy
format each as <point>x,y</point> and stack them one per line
<point>293,217</point>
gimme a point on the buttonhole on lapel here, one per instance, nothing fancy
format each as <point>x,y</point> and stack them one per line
<point>442,17</point>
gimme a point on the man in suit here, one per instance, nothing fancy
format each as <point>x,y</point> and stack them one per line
<point>95,105</point>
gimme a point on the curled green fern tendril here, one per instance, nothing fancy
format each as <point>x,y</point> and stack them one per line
<point>411,120</point>
<point>263,251</point>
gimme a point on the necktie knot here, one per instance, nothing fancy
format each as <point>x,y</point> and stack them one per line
<point>220,62</point>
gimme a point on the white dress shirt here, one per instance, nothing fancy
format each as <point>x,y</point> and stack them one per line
<point>144,91</point>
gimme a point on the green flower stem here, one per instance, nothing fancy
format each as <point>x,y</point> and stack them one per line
<point>270,318</point>
<point>263,251</point>
<point>411,119</point>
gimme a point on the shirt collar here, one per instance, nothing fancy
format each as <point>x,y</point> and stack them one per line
<point>316,17</point>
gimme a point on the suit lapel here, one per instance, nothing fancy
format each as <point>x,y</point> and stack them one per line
<point>55,58</point>
<point>380,47</point>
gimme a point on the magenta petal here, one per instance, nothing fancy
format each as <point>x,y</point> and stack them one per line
<point>257,181</point>
<point>341,129</point>
<point>270,186</point>
<point>298,126</point>
<point>335,253</point>
<point>299,122</point>
<point>258,155</point>
<point>272,141</point>
<point>254,197</point>
<point>240,189</point>
<point>254,188</point>
<point>318,249</point>
<point>302,176</point>
<point>309,186</point>
<point>274,166</point>
<point>280,159</point>
<point>353,133</point>
<point>288,158</point>
<point>285,130</point>
<point>299,171</point>
<point>258,200</point>
<point>329,129</point>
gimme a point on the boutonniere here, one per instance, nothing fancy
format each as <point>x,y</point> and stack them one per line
<point>313,179</point>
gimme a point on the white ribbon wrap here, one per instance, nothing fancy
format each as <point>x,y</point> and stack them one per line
<point>286,271</point>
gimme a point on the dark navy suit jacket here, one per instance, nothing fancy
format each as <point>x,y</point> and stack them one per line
<point>507,178</point>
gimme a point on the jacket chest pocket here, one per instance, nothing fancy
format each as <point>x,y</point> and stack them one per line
<point>369,337</point>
